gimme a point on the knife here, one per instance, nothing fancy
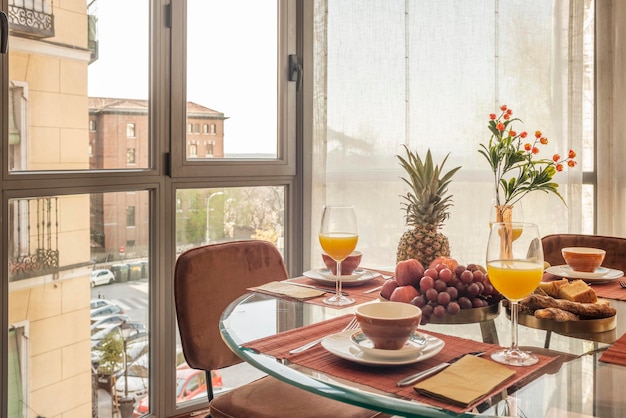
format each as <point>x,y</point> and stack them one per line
<point>321,289</point>
<point>414,378</point>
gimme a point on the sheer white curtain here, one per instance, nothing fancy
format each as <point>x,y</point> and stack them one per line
<point>428,74</point>
<point>611,131</point>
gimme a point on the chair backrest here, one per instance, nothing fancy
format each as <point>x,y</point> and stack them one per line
<point>206,280</point>
<point>615,248</point>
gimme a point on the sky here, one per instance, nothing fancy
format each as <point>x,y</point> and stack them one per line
<point>231,63</point>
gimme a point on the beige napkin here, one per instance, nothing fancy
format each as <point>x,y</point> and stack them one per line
<point>465,381</point>
<point>286,289</point>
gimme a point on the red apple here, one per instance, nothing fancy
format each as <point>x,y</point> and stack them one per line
<point>404,294</point>
<point>409,272</point>
<point>388,287</point>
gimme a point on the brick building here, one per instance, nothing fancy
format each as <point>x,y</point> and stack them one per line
<point>118,138</point>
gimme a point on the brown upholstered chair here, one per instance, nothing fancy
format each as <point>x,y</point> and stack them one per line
<point>206,280</point>
<point>615,248</point>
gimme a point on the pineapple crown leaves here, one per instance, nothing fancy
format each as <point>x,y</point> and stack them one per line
<point>427,202</point>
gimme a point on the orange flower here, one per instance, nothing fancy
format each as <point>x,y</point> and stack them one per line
<point>516,168</point>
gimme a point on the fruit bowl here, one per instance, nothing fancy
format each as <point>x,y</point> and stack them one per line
<point>465,316</point>
<point>446,291</point>
<point>469,316</point>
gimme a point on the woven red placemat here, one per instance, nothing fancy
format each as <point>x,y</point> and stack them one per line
<point>383,378</point>
<point>358,293</point>
<point>616,353</point>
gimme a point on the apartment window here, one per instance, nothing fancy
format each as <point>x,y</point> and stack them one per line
<point>92,125</point>
<point>130,130</point>
<point>105,208</point>
<point>130,156</point>
<point>209,149</point>
<point>205,128</point>
<point>193,150</point>
<point>213,129</point>
<point>130,216</point>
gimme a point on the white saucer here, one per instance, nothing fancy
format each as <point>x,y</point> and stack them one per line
<point>324,276</point>
<point>342,346</point>
<point>602,274</point>
<point>415,344</point>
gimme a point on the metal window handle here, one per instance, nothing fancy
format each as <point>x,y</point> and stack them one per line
<point>295,71</point>
<point>4,33</point>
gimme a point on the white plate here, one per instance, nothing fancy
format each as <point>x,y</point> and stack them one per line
<point>602,274</point>
<point>415,344</point>
<point>324,276</point>
<point>342,346</point>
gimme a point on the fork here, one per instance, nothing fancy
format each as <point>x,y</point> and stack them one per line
<point>353,324</point>
<point>622,283</point>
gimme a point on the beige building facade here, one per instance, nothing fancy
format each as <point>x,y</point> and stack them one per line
<point>49,289</point>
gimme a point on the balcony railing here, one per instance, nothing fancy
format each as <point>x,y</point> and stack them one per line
<point>31,18</point>
<point>34,237</point>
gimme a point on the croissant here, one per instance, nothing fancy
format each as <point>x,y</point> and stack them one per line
<point>584,310</point>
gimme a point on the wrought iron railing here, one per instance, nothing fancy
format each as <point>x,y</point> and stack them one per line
<point>31,18</point>
<point>34,237</point>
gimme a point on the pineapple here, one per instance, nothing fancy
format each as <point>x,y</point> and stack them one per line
<point>426,206</point>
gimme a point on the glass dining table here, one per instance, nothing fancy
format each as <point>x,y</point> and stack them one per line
<point>575,384</point>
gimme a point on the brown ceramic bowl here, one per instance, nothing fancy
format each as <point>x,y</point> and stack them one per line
<point>388,324</point>
<point>347,266</point>
<point>583,259</point>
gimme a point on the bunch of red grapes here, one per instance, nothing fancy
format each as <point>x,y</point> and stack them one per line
<point>445,291</point>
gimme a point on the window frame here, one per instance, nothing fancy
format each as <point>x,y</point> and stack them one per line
<point>285,163</point>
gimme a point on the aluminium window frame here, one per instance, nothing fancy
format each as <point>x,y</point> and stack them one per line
<point>166,172</point>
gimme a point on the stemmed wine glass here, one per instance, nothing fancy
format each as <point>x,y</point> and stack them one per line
<point>338,237</point>
<point>515,268</point>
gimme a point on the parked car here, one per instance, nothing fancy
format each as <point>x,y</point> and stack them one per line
<point>99,302</point>
<point>106,310</point>
<point>101,321</point>
<point>190,384</point>
<point>102,276</point>
<point>99,334</point>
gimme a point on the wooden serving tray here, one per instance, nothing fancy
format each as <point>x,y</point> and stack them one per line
<point>568,327</point>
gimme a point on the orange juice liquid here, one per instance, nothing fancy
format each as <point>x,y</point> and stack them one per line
<point>338,245</point>
<point>516,231</point>
<point>515,279</point>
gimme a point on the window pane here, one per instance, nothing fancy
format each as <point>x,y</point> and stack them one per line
<point>73,282</point>
<point>220,215</point>
<point>78,98</point>
<point>232,80</point>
